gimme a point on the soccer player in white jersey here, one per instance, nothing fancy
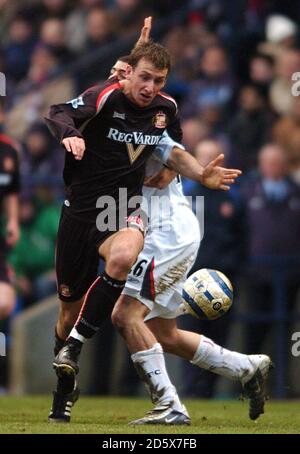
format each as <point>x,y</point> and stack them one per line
<point>146,312</point>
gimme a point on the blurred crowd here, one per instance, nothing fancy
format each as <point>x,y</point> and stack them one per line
<point>233,63</point>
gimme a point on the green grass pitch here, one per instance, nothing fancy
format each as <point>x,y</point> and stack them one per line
<point>94,415</point>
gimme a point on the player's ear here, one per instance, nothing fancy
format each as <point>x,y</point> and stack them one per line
<point>128,71</point>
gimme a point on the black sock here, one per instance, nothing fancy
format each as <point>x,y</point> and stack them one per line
<point>98,304</point>
<point>58,343</point>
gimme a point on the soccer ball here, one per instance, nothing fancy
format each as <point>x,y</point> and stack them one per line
<point>207,294</point>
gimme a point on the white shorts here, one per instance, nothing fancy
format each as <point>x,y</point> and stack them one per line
<point>157,277</point>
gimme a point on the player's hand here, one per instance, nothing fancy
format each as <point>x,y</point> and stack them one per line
<point>216,177</point>
<point>12,232</point>
<point>145,32</point>
<point>160,179</point>
<point>74,145</point>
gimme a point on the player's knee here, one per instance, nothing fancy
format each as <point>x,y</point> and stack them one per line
<point>124,319</point>
<point>121,262</point>
<point>119,318</point>
<point>168,342</point>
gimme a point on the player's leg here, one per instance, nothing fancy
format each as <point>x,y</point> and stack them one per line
<point>67,391</point>
<point>250,370</point>
<point>148,358</point>
<point>147,354</point>
<point>76,268</point>
<point>119,251</point>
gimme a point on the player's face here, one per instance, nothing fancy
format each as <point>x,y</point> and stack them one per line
<point>145,82</point>
<point>119,70</point>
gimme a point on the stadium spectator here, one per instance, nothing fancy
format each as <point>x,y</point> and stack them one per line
<point>42,161</point>
<point>33,257</point>
<point>194,131</point>
<point>261,72</point>
<point>214,86</point>
<point>249,128</point>
<point>281,35</point>
<point>19,48</point>
<point>281,98</point>
<point>272,204</point>
<point>53,35</point>
<point>34,96</point>
<point>286,132</point>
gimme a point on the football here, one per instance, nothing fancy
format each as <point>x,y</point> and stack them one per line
<point>207,294</point>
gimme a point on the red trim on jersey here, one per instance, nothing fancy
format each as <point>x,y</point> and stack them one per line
<point>165,95</point>
<point>106,90</point>
<point>8,141</point>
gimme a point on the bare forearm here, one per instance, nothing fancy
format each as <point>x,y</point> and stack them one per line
<point>213,176</point>
<point>185,164</point>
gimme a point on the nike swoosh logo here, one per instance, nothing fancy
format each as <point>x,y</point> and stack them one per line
<point>171,419</point>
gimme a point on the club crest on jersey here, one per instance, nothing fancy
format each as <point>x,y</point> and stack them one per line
<point>65,291</point>
<point>160,120</point>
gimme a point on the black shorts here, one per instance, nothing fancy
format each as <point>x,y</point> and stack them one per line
<point>3,261</point>
<point>77,257</point>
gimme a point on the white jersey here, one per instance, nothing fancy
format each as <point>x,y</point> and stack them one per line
<point>170,249</point>
<point>161,204</point>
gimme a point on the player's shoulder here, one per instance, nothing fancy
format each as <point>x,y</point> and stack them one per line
<point>167,100</point>
<point>101,92</point>
<point>102,88</point>
<point>109,84</point>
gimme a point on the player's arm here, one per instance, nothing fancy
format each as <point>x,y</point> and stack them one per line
<point>64,120</point>
<point>212,175</point>
<point>160,179</point>
<point>177,158</point>
<point>145,32</point>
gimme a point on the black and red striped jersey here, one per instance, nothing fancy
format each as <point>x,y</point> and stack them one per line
<point>9,167</point>
<point>119,137</point>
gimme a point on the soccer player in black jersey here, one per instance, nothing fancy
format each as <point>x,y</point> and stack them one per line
<point>109,132</point>
<point>9,188</point>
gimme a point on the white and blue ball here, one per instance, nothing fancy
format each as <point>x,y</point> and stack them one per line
<point>207,294</point>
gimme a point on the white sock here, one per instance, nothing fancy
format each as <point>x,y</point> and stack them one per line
<point>232,365</point>
<point>150,365</point>
<point>74,333</point>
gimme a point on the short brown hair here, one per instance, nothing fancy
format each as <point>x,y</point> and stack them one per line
<point>157,54</point>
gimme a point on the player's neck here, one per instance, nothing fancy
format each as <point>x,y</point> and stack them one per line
<point>125,85</point>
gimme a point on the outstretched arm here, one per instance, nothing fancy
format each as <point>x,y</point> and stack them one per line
<point>160,179</point>
<point>212,176</point>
